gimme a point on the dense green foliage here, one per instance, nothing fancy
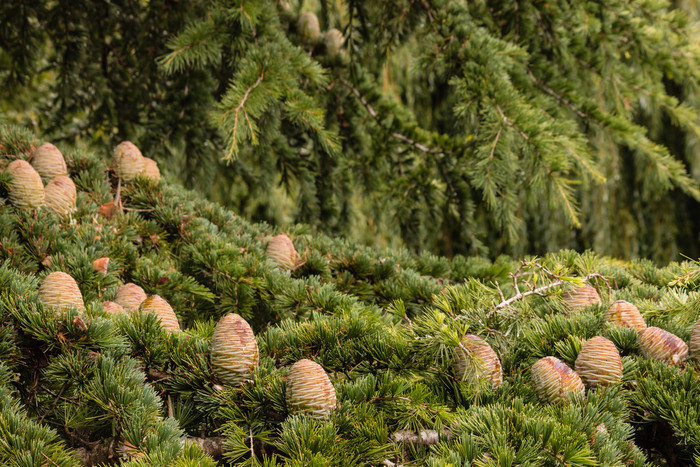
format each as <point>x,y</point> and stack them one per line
<point>383,324</point>
<point>442,125</point>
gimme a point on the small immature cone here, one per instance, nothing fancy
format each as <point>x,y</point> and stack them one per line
<point>554,381</point>
<point>59,290</point>
<point>61,196</point>
<point>625,314</point>
<point>26,188</point>
<point>281,250</point>
<point>107,210</point>
<point>663,346</point>
<point>150,169</point>
<point>168,319</point>
<point>101,265</point>
<point>48,161</point>
<point>578,298</point>
<point>476,362</point>
<point>334,41</point>
<point>694,345</point>
<point>127,161</point>
<point>130,296</point>
<point>308,27</point>
<point>599,363</point>
<point>234,352</point>
<point>112,308</point>
<point>309,390</point>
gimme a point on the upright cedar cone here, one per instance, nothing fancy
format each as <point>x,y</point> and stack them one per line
<point>695,342</point>
<point>130,296</point>
<point>334,41</point>
<point>554,381</point>
<point>309,30</point>
<point>578,298</point>
<point>234,352</point>
<point>112,308</point>
<point>168,319</point>
<point>48,161</point>
<point>127,161</point>
<point>625,314</point>
<point>599,363</point>
<point>26,188</point>
<point>309,390</point>
<point>150,169</point>
<point>281,250</point>
<point>663,346</point>
<point>476,362</point>
<point>61,196</point>
<point>59,290</point>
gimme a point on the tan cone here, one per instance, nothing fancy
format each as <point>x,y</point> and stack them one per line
<point>150,169</point>
<point>59,290</point>
<point>309,30</point>
<point>48,161</point>
<point>234,352</point>
<point>26,188</point>
<point>309,390</point>
<point>281,250</point>
<point>156,304</point>
<point>127,161</point>
<point>476,362</point>
<point>625,314</point>
<point>578,298</point>
<point>113,308</point>
<point>694,345</point>
<point>61,196</point>
<point>599,363</point>
<point>663,346</point>
<point>554,381</point>
<point>130,296</point>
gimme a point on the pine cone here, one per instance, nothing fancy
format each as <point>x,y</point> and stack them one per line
<point>26,188</point>
<point>309,390</point>
<point>234,352</point>
<point>663,346</point>
<point>168,319</point>
<point>61,196</point>
<point>130,296</point>
<point>334,42</point>
<point>695,342</point>
<point>625,314</point>
<point>281,250</point>
<point>554,381</point>
<point>59,290</point>
<point>150,169</point>
<point>112,308</point>
<point>476,362</point>
<point>578,298</point>
<point>309,30</point>
<point>48,161</point>
<point>599,363</point>
<point>127,161</point>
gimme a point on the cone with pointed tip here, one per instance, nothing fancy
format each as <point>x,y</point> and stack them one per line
<point>130,296</point>
<point>113,308</point>
<point>127,161</point>
<point>59,290</point>
<point>309,390</point>
<point>663,346</point>
<point>625,314</point>
<point>476,362</point>
<point>61,196</point>
<point>150,169</point>
<point>554,381</point>
<point>578,298</point>
<point>26,189</point>
<point>334,41</point>
<point>234,352</point>
<point>599,363</point>
<point>281,250</point>
<point>48,161</point>
<point>309,30</point>
<point>694,344</point>
<point>156,304</point>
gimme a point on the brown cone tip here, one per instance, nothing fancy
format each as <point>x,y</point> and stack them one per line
<point>127,161</point>
<point>48,161</point>
<point>281,250</point>
<point>625,314</point>
<point>309,390</point>
<point>476,362</point>
<point>234,351</point>
<point>59,290</point>
<point>662,346</point>
<point>599,363</point>
<point>61,196</point>
<point>156,304</point>
<point>578,298</point>
<point>26,188</point>
<point>554,381</point>
<point>130,296</point>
